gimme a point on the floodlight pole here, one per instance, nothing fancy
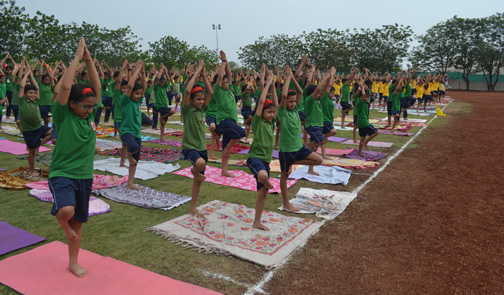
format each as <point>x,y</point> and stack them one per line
<point>217,28</point>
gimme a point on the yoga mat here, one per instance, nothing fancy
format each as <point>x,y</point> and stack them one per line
<point>236,149</point>
<point>43,271</point>
<point>330,175</point>
<point>104,132</point>
<point>13,238</point>
<point>336,139</point>
<point>368,155</point>
<point>335,152</point>
<point>105,144</point>
<point>170,142</point>
<point>349,163</point>
<point>157,132</point>
<point>152,154</point>
<point>323,203</point>
<point>16,148</point>
<point>226,228</point>
<point>96,206</point>
<point>145,198</point>
<point>18,178</point>
<point>239,163</point>
<point>371,143</point>
<point>99,182</point>
<point>145,169</point>
<point>242,179</point>
<point>275,166</point>
<point>11,130</point>
<point>393,132</point>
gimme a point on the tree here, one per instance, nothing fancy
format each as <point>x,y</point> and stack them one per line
<point>490,52</point>
<point>12,28</point>
<point>330,48</point>
<point>466,46</point>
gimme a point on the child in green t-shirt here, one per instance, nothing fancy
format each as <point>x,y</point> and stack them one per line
<point>131,126</point>
<point>261,150</point>
<point>362,110</point>
<point>3,96</point>
<point>290,147</point>
<point>45,86</point>
<point>34,133</point>
<point>71,170</point>
<point>194,149</point>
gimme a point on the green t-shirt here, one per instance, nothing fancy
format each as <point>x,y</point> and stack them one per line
<point>407,91</point>
<point>236,89</point>
<point>131,116</point>
<point>246,100</point>
<point>73,154</point>
<point>3,91</point>
<point>327,108</point>
<point>290,137</point>
<point>264,138</point>
<point>212,108</point>
<point>161,96</point>
<point>80,81</point>
<point>176,88</point>
<point>8,82</point>
<point>362,111</point>
<point>313,110</point>
<point>116,101</point>
<point>226,104</point>
<point>148,90</point>
<point>107,89</point>
<point>45,93</point>
<point>15,94</point>
<point>257,94</point>
<point>345,92</point>
<point>194,128</point>
<point>29,114</point>
<point>394,99</point>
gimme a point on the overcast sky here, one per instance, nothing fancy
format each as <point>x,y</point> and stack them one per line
<point>243,22</point>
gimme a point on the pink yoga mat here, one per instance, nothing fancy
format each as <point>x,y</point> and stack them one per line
<point>336,152</point>
<point>16,148</point>
<point>242,179</point>
<point>43,271</point>
<point>371,143</point>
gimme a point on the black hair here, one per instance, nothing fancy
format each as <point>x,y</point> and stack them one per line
<point>83,73</point>
<point>217,77</point>
<point>199,91</point>
<point>332,89</point>
<point>76,92</point>
<point>116,74</point>
<point>9,68</point>
<point>29,87</point>
<point>310,89</point>
<point>344,80</point>
<point>124,82</point>
<point>137,86</point>
<point>45,76</point>
<point>244,87</point>
<point>291,93</point>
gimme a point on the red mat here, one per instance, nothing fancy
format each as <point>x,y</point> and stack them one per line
<point>43,271</point>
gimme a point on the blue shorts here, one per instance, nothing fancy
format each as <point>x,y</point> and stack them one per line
<point>245,112</point>
<point>33,138</point>
<point>404,103</point>
<point>328,126</point>
<point>345,105</point>
<point>396,113</point>
<point>163,111</point>
<point>302,116</point>
<point>44,111</point>
<point>419,99</point>
<point>230,130</point>
<point>255,165</point>
<point>441,92</point>
<point>71,192</point>
<point>315,133</point>
<point>288,158</point>
<point>117,125</point>
<point>54,133</point>
<point>153,107</point>
<point>210,120</point>
<point>389,108</point>
<point>194,155</point>
<point>147,100</point>
<point>385,98</point>
<point>146,120</point>
<point>367,131</point>
<point>133,145</point>
<point>107,101</point>
<point>427,98</point>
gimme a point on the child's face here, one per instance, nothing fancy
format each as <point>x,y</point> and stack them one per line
<point>84,108</point>
<point>269,114</point>
<point>365,97</point>
<point>291,102</point>
<point>225,84</point>
<point>2,79</point>
<point>161,82</point>
<point>198,100</point>
<point>136,95</point>
<point>123,88</point>
<point>47,81</point>
<point>8,71</point>
<point>31,94</point>
<point>36,73</point>
<point>106,77</point>
<point>331,93</point>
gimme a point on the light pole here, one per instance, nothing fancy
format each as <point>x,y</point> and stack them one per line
<point>217,28</point>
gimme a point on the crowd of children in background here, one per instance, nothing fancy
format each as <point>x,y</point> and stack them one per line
<point>297,104</point>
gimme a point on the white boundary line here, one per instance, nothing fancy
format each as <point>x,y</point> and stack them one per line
<point>257,288</point>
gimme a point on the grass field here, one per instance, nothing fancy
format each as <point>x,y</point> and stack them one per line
<point>121,232</point>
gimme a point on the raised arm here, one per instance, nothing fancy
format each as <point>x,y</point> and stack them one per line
<point>190,84</point>
<point>285,89</point>
<point>68,78</point>
<point>132,80</point>
<point>260,103</point>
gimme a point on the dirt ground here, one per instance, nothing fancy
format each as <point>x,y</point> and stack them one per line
<point>431,223</point>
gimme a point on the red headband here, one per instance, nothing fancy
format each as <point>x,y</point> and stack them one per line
<point>267,102</point>
<point>196,89</point>
<point>87,90</point>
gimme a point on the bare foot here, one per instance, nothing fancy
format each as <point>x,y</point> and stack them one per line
<point>355,141</point>
<point>313,173</point>
<point>123,165</point>
<point>197,175</point>
<point>77,270</point>
<point>268,185</point>
<point>326,158</point>
<point>361,155</point>
<point>260,226</point>
<point>155,128</point>
<point>290,207</point>
<point>366,147</point>
<point>227,174</point>
<point>196,212</point>
<point>213,158</point>
<point>33,173</point>
<point>133,187</point>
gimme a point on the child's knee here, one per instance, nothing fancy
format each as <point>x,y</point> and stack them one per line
<point>262,176</point>
<point>200,164</point>
<point>65,213</point>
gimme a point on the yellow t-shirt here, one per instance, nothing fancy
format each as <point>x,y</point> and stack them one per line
<point>374,87</point>
<point>419,91</point>
<point>386,89</point>
<point>413,83</point>
<point>442,87</point>
<point>381,87</point>
<point>337,88</point>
